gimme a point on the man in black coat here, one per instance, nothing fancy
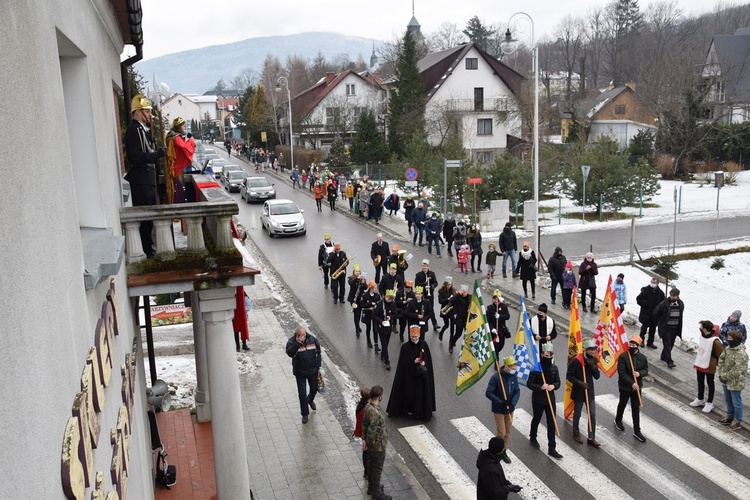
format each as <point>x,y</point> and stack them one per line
<point>390,281</point>
<point>142,157</point>
<point>491,481</point>
<point>460,303</point>
<point>582,377</point>
<point>650,297</point>
<point>376,200</point>
<point>413,392</point>
<point>380,248</point>
<point>418,218</point>
<point>428,281</point>
<point>541,386</point>
<point>668,315</point>
<point>508,244</point>
<point>556,266</point>
<point>338,260</point>
<point>448,224</point>
<point>631,368</point>
<point>497,315</point>
<point>325,249</point>
<point>304,350</point>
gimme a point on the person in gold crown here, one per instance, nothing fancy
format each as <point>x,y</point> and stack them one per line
<point>180,150</point>
<point>383,316</point>
<point>419,311</point>
<point>142,156</point>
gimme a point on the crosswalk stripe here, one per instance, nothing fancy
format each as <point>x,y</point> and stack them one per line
<point>695,417</point>
<point>584,473</point>
<point>648,470</point>
<point>517,473</point>
<point>689,454</point>
<point>447,472</point>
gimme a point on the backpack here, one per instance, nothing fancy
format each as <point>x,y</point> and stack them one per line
<point>166,475</point>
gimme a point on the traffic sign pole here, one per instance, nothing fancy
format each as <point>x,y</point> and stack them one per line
<point>446,165</point>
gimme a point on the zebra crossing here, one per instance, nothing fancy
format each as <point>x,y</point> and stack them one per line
<point>586,467</point>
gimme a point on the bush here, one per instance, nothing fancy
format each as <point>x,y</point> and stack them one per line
<point>717,264</point>
<point>665,266</point>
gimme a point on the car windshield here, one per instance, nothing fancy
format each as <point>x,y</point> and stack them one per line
<point>236,174</point>
<point>257,183</point>
<point>284,209</point>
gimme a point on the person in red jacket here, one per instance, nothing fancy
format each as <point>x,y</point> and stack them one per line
<point>180,150</point>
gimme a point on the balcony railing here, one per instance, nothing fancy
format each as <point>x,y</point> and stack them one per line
<point>480,105</point>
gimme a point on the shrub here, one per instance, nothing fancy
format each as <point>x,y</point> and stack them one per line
<point>717,264</point>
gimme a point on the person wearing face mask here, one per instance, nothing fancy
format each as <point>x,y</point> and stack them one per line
<point>542,384</point>
<point>448,225</point>
<point>491,481</point>
<point>413,391</point>
<point>543,327</point>
<point>669,322</point>
<point>650,297</point>
<point>587,272</point>
<point>375,435</point>
<point>631,368</point>
<point>706,360</point>
<point>582,377</point>
<point>526,268</point>
<point>504,395</point>
<point>732,374</point>
<point>621,291</point>
<point>497,314</point>
<point>508,243</point>
<point>556,265</point>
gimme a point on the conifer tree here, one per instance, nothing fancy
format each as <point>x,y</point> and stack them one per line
<point>407,104</point>
<point>368,146</point>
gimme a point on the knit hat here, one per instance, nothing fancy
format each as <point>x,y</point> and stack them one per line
<point>542,308</point>
<point>508,224</point>
<point>548,347</point>
<point>675,292</point>
<point>497,445</point>
<point>737,314</point>
<point>509,361</point>
<point>568,265</point>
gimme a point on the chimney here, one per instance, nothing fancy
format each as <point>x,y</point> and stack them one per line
<point>330,77</point>
<point>631,86</point>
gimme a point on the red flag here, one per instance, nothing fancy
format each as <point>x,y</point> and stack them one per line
<point>610,336</point>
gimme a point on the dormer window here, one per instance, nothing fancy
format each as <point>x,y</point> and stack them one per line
<point>472,63</point>
<point>350,90</point>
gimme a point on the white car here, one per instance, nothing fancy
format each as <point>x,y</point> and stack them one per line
<point>282,217</point>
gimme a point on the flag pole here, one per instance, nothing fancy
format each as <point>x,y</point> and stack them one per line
<point>551,406</point>
<point>632,368</point>
<point>502,385</point>
<point>586,394</point>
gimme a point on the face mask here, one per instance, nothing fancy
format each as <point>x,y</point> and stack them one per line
<point>588,356</point>
<point>619,281</point>
<point>590,259</point>
<point>512,372</point>
<point>546,361</point>
<point>633,350</point>
<point>653,285</point>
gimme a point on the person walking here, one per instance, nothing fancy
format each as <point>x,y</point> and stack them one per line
<point>379,252</point>
<point>444,295</point>
<point>669,322</point>
<point>582,376</point>
<point>294,176</point>
<point>650,297</point>
<point>491,260</point>
<point>706,361</point>
<point>587,272</point>
<point>418,218</point>
<point>631,368</point>
<point>448,224</point>
<point>460,303</point>
<point>504,392</point>
<point>357,288</point>
<point>491,481</point>
<point>409,206</point>
<point>332,194</point>
<point>382,318</point>
<point>732,374</point>
<point>568,285</point>
<point>543,385</point>
<point>338,261</point>
<point>732,323</point>
<point>556,266</point>
<point>428,281</point>
<point>326,248</point>
<point>497,314</point>
<point>432,229</point>
<point>543,327</point>
<point>304,350</point>
<point>508,247</point>
<point>474,239</point>
<point>359,413</point>
<point>526,268</point>
<point>413,392</point>
<point>459,238</point>
<point>318,193</point>
<point>368,302</point>
<point>375,434</point>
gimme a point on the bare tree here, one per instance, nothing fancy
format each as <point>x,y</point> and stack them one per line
<point>447,36</point>
<point>594,46</point>
<point>570,37</point>
<point>246,78</point>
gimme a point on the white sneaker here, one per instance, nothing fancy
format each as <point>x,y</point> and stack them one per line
<point>708,408</point>
<point>698,402</point>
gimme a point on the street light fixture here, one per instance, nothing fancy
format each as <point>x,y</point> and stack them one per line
<point>508,46</point>
<point>283,81</point>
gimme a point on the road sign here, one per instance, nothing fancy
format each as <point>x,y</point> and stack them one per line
<point>411,184</point>
<point>475,180</point>
<point>453,163</point>
<point>411,174</point>
<point>585,169</point>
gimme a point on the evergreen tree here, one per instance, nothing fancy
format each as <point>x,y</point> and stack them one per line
<point>243,110</point>
<point>368,146</point>
<point>478,33</point>
<point>407,104</point>
<point>262,118</point>
<point>337,157</point>
<point>506,179</point>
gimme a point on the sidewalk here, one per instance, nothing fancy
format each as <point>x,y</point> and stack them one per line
<point>681,379</point>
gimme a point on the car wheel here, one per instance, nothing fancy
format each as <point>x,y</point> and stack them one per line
<point>270,232</point>
<point>247,200</point>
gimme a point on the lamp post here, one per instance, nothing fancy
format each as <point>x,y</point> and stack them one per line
<point>508,46</point>
<point>283,81</point>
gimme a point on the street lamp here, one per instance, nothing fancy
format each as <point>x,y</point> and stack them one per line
<point>283,81</point>
<point>508,46</point>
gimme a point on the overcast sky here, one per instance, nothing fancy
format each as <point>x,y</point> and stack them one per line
<point>175,25</point>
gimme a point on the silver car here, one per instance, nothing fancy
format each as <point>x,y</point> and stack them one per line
<point>282,217</point>
<point>234,180</point>
<point>257,189</point>
<point>222,176</point>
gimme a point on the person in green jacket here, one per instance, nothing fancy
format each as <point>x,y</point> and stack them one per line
<point>732,373</point>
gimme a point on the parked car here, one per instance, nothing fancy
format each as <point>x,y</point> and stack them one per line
<point>228,168</point>
<point>217,165</point>
<point>282,217</point>
<point>257,189</point>
<point>234,180</point>
<point>210,157</point>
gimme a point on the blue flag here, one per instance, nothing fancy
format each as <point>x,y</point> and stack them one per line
<point>524,348</point>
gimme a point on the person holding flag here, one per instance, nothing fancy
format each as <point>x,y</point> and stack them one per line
<point>543,383</point>
<point>582,371</point>
<point>610,335</point>
<point>497,315</point>
<point>504,392</point>
<point>631,369</point>
<point>477,354</point>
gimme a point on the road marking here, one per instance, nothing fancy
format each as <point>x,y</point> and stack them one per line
<point>584,473</point>
<point>446,471</point>
<point>719,473</point>
<point>517,473</point>
<point>698,419</point>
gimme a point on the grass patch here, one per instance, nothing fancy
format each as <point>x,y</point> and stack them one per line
<point>645,205</point>
<point>594,216</point>
<point>655,262</point>
<point>547,210</point>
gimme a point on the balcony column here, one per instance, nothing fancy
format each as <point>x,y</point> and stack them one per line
<point>230,452</point>
<point>223,232</point>
<point>164,241</point>
<point>195,243</point>
<point>133,243</point>
<point>202,399</point>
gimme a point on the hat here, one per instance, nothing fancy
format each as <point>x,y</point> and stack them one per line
<point>337,245</point>
<point>356,267</point>
<point>410,195</point>
<point>139,101</point>
<point>497,445</point>
<point>390,293</point>
<point>509,361</point>
<point>568,265</point>
<point>734,335</point>
<point>542,308</point>
<point>589,344</point>
<point>620,275</point>
<point>393,265</point>
<point>589,255</point>
<point>415,328</point>
<point>465,288</point>
<point>419,289</point>
<point>372,284</point>
<point>548,347</point>
<point>675,292</point>
<point>426,262</point>
<point>177,122</point>
<point>636,339</point>
<point>409,284</point>
<point>737,314</point>
<point>327,236</point>
<point>379,235</point>
<point>394,247</point>
<point>448,279</point>
<point>508,224</point>
<point>497,293</point>
<point>526,244</point>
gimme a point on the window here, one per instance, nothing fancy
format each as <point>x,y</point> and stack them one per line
<point>720,92</point>
<point>484,156</point>
<point>472,63</point>
<point>620,109</point>
<point>478,99</point>
<point>333,116</point>
<point>484,126</point>
<point>350,89</point>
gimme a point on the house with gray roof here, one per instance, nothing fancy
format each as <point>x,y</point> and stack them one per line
<point>726,72</point>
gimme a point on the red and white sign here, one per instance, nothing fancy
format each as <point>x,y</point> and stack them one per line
<point>475,180</point>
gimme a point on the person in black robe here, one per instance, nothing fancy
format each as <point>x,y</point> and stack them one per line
<point>413,391</point>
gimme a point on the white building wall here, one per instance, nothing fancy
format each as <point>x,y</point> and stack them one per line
<point>366,96</point>
<point>621,131</point>
<point>180,105</point>
<point>48,318</point>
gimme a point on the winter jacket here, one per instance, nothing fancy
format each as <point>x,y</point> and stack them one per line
<point>556,265</point>
<point>491,481</point>
<point>575,376</point>
<point>432,226</point>
<point>448,226</point>
<point>587,271</point>
<point>306,357</point>
<point>508,240</point>
<point>569,280</point>
<point>409,208</point>
<point>648,299</point>
<point>727,327</point>
<point>491,259</point>
<point>418,217</point>
<point>625,371</point>
<point>459,235</point>
<point>526,266</point>
<point>621,291</point>
<point>552,376</point>
<point>733,367</point>
<point>503,404</point>
<point>474,239</point>
<point>661,315</point>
